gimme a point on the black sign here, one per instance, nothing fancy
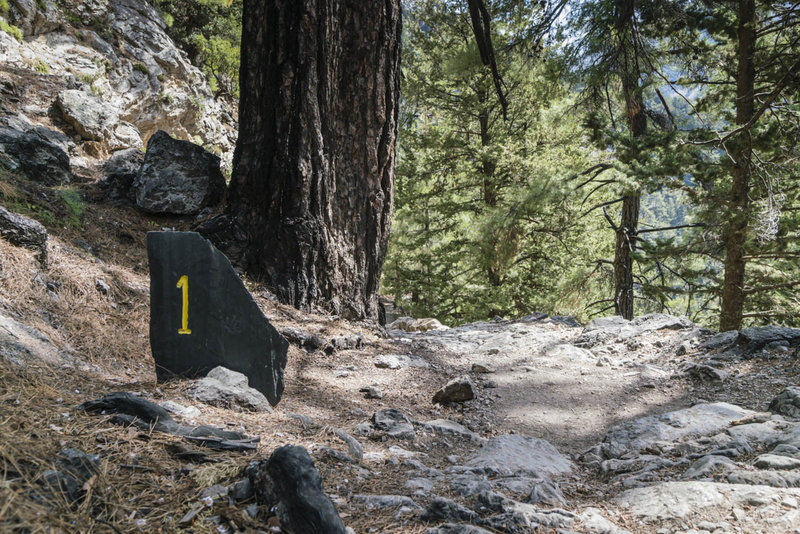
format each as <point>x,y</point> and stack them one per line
<point>202,316</point>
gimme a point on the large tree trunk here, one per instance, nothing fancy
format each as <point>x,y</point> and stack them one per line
<point>741,152</point>
<point>313,170</point>
<point>637,124</point>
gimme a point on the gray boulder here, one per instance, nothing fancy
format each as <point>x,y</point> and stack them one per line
<point>24,232</point>
<point>32,153</point>
<point>119,172</point>
<point>459,389</point>
<point>787,402</point>
<point>223,387</point>
<point>177,177</point>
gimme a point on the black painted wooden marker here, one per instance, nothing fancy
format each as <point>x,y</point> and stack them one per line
<point>202,316</point>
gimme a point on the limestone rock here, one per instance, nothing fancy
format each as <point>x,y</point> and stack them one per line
<point>22,344</point>
<point>565,351</point>
<point>223,325</point>
<point>226,388</point>
<point>89,116</point>
<point>409,324</point>
<point>445,426</point>
<point>787,402</point>
<point>24,232</point>
<point>177,177</point>
<point>384,501</point>
<point>514,454</point>
<point>776,461</point>
<point>395,423</point>
<point>398,361</point>
<point>459,389</point>
<point>677,500</point>
<point>699,420</point>
<point>605,329</point>
<point>594,523</point>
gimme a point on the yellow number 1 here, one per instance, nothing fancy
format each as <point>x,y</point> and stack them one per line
<point>183,284</point>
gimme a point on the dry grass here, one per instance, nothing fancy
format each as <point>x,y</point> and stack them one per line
<point>64,302</point>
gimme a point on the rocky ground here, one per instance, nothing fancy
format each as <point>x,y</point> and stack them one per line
<point>539,425</point>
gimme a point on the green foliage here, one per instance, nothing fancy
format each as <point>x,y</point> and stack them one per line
<point>486,220</point>
<point>10,29</point>
<point>210,32</point>
<point>75,205</point>
<point>41,66</point>
<point>141,67</point>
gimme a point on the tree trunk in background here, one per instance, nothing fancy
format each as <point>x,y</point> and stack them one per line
<point>637,124</point>
<point>741,152</point>
<point>313,170</point>
<point>623,259</point>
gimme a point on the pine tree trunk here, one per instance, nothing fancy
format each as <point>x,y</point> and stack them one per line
<point>623,259</point>
<point>313,170</point>
<point>741,152</point>
<point>637,124</point>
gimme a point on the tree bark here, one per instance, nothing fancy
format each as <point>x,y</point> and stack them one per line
<point>312,184</point>
<point>741,150</point>
<point>637,124</point>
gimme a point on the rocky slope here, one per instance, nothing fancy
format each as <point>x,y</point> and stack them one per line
<point>108,76</point>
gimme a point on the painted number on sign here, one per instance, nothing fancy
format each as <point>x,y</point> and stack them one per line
<point>183,285</point>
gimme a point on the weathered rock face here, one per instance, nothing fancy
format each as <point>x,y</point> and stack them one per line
<point>131,69</point>
<point>119,172</point>
<point>202,316</point>
<point>95,120</point>
<point>24,232</point>
<point>177,177</point>
<point>32,153</point>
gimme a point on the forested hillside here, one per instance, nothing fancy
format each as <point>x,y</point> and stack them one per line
<point>511,201</point>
